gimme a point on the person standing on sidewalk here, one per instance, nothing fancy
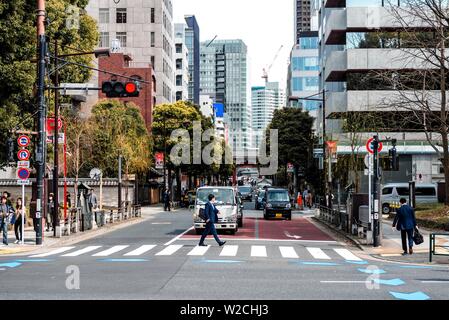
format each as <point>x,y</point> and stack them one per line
<point>50,212</point>
<point>211,213</point>
<point>18,222</point>
<point>166,199</point>
<point>7,195</point>
<point>5,212</point>
<point>405,222</point>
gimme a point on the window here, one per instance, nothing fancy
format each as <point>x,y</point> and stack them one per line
<point>153,39</point>
<point>306,64</point>
<point>104,15</point>
<point>178,95</point>
<point>387,191</point>
<point>403,191</point>
<point>425,191</point>
<point>305,84</point>
<point>121,15</point>
<point>104,39</point>
<point>308,43</point>
<point>152,18</point>
<point>178,64</point>
<point>178,48</point>
<point>179,80</point>
<point>121,36</point>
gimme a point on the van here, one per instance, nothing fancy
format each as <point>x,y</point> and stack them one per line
<point>277,204</point>
<point>393,192</point>
<point>225,201</point>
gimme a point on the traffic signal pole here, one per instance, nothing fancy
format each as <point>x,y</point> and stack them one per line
<point>375,188</point>
<point>40,150</point>
<point>56,147</point>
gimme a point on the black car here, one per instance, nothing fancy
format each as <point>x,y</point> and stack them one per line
<point>246,192</point>
<point>277,204</point>
<point>260,202</point>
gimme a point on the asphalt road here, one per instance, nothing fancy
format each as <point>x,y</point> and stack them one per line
<point>158,259</point>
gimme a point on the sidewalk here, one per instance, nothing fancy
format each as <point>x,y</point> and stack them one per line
<point>50,241</point>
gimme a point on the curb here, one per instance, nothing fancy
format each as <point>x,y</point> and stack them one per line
<point>355,242</point>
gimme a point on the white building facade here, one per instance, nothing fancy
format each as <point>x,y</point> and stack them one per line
<point>181,64</point>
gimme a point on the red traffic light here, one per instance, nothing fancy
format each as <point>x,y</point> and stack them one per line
<point>130,87</point>
<point>117,89</point>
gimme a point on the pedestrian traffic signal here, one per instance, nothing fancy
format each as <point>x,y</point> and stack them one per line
<point>117,89</point>
<point>394,159</point>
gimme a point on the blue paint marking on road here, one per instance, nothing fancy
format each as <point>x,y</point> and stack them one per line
<point>410,296</point>
<point>10,264</point>
<point>124,260</point>
<point>34,260</point>
<point>356,262</point>
<point>374,271</point>
<point>220,261</point>
<point>392,282</point>
<point>416,267</point>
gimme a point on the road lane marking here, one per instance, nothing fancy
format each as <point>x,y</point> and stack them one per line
<point>317,253</point>
<point>320,263</point>
<point>110,251</point>
<point>263,240</point>
<point>169,250</point>
<point>229,251</point>
<point>372,271</point>
<point>81,251</point>
<point>198,251</point>
<point>347,255</point>
<point>161,223</point>
<point>258,251</point>
<point>53,252</point>
<point>436,281</point>
<point>219,261</point>
<point>141,250</point>
<point>288,252</point>
<point>124,260</point>
<point>342,281</point>
<point>178,236</point>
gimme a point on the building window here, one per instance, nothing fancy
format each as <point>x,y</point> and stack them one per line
<point>152,16</point>
<point>121,15</point>
<point>104,15</point>
<point>178,48</point>
<point>121,36</point>
<point>104,40</point>
<point>152,61</point>
<point>178,95</point>
<point>153,39</point>
<point>178,64</point>
<point>179,80</point>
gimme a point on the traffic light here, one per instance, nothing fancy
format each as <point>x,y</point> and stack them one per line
<point>118,89</point>
<point>10,143</point>
<point>394,159</point>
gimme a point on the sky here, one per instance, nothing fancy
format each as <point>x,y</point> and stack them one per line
<point>264,25</point>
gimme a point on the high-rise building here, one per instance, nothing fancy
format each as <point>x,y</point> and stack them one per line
<point>181,64</point>
<point>192,40</point>
<point>264,101</point>
<point>305,16</point>
<point>224,78</point>
<point>144,31</point>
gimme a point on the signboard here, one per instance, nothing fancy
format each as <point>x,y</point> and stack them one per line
<point>61,138</point>
<point>369,146</point>
<point>23,182</point>
<point>23,164</point>
<point>23,173</point>
<point>159,160</point>
<point>318,153</point>
<point>23,155</point>
<point>23,141</point>
<point>51,124</point>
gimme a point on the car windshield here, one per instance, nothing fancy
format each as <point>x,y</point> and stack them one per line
<point>222,196</point>
<point>278,196</point>
<point>244,189</point>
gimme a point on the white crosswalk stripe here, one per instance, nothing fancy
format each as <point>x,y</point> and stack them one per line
<point>53,252</point>
<point>110,251</point>
<point>81,251</point>
<point>169,250</point>
<point>288,252</point>
<point>141,250</point>
<point>348,255</point>
<point>229,251</point>
<point>258,251</point>
<point>317,253</point>
<point>198,251</point>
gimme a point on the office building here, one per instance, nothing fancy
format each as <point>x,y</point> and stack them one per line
<point>192,40</point>
<point>181,64</point>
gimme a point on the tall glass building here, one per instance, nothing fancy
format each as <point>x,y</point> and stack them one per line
<point>192,40</point>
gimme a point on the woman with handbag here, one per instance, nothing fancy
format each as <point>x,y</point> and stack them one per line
<point>18,220</point>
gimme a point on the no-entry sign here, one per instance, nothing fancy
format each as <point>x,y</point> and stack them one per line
<point>369,146</point>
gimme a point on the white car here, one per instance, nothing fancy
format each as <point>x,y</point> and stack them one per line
<point>393,192</point>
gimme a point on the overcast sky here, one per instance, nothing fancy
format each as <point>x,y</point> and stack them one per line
<point>264,25</point>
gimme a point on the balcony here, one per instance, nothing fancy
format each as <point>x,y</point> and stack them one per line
<point>335,3</point>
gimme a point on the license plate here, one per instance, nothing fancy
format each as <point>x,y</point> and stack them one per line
<point>278,215</point>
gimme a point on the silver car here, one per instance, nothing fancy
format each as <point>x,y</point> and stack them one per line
<point>393,192</point>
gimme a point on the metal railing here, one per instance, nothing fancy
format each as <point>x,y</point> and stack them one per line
<point>337,218</point>
<point>433,246</point>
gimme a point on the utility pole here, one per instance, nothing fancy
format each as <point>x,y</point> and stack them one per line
<point>120,183</point>
<point>41,144</point>
<point>56,145</point>
<point>376,227</point>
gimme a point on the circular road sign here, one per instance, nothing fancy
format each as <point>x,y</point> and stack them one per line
<point>23,173</point>
<point>23,141</point>
<point>369,146</point>
<point>23,155</point>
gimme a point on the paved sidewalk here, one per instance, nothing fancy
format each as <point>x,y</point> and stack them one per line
<point>50,241</point>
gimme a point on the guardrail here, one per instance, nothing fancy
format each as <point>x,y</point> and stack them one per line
<point>433,246</point>
<point>337,218</point>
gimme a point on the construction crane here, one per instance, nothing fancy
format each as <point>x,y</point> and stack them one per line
<point>266,71</point>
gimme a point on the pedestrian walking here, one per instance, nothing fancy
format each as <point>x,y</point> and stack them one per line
<point>405,221</point>
<point>211,215</point>
<point>166,199</point>
<point>309,199</point>
<point>18,218</point>
<point>5,215</point>
<point>50,212</point>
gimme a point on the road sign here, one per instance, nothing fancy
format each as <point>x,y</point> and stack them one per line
<point>369,146</point>
<point>23,173</point>
<point>95,173</point>
<point>23,164</point>
<point>23,182</point>
<point>23,155</point>
<point>318,153</point>
<point>23,141</point>
<point>61,138</point>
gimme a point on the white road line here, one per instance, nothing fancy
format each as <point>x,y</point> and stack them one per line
<point>258,251</point>
<point>288,252</point>
<point>198,251</point>
<point>169,250</point>
<point>229,251</point>
<point>110,251</point>
<point>317,253</point>
<point>435,281</point>
<point>50,253</point>
<point>141,250</point>
<point>349,281</point>
<point>347,255</point>
<point>82,251</point>
<point>262,239</point>
<point>178,236</point>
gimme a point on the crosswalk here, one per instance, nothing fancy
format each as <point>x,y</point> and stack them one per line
<point>242,251</point>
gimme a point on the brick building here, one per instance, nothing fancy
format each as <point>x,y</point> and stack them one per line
<point>122,64</point>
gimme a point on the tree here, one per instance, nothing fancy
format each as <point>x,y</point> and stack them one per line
<point>18,43</point>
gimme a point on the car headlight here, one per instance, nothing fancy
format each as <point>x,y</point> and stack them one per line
<point>268,205</point>
<point>288,206</point>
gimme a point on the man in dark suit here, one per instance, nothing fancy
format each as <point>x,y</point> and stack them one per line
<point>211,213</point>
<point>405,222</point>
